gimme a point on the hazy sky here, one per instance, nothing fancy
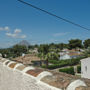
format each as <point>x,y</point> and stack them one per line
<point>21,22</point>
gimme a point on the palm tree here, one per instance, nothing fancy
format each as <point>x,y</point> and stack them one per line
<point>41,55</point>
<point>47,57</point>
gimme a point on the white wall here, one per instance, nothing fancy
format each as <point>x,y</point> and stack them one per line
<point>12,79</point>
<point>64,57</point>
<point>85,64</point>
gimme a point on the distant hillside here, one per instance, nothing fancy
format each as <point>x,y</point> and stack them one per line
<point>24,42</point>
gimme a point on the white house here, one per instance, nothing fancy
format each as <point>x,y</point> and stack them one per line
<point>64,57</point>
<point>35,50</point>
<point>85,68</point>
<point>69,55</point>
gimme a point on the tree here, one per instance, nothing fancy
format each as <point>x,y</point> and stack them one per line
<point>53,56</point>
<point>44,48</point>
<point>62,46</point>
<point>47,57</point>
<point>41,55</point>
<point>86,43</point>
<point>19,49</point>
<point>87,52</point>
<point>75,43</point>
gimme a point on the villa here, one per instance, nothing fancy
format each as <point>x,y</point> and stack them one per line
<point>69,54</point>
<point>85,68</point>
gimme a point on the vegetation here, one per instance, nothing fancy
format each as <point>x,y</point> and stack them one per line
<point>18,50</point>
<point>86,43</point>
<point>62,63</point>
<point>87,52</point>
<point>15,51</point>
<point>79,69</point>
<point>68,70</point>
<point>75,43</point>
<point>50,52</point>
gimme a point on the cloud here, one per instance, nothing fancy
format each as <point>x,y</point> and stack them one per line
<point>22,36</point>
<point>17,31</point>
<point>60,34</point>
<point>16,34</point>
<point>6,28</point>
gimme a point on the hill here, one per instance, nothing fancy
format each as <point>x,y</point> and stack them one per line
<point>24,42</point>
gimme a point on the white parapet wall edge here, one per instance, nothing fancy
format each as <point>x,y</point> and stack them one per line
<point>47,85</point>
<point>43,74</point>
<point>0,58</point>
<point>3,58</point>
<point>17,65</point>
<point>75,84</point>
<point>28,68</point>
<point>5,62</point>
<point>10,63</point>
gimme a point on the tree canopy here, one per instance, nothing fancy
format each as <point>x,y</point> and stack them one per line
<point>86,43</point>
<point>75,43</point>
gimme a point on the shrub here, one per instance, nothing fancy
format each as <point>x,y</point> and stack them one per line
<point>43,66</point>
<point>68,70</point>
<point>79,69</point>
<point>62,63</point>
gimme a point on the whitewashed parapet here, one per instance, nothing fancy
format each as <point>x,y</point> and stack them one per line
<point>20,77</point>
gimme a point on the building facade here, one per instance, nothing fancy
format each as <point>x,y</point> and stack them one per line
<point>85,68</point>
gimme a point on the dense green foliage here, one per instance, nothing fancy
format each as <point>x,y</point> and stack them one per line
<point>86,43</point>
<point>18,50</point>
<point>68,70</point>
<point>75,43</point>
<point>6,52</point>
<point>46,50</point>
<point>87,52</point>
<point>15,51</point>
<point>62,63</point>
<point>79,69</point>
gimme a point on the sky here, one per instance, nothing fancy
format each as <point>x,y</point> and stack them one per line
<point>20,22</point>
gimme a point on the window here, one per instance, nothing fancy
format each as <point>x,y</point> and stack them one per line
<point>86,68</point>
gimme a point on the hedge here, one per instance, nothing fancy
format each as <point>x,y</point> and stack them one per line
<point>79,69</point>
<point>69,61</point>
<point>68,70</point>
<point>63,63</point>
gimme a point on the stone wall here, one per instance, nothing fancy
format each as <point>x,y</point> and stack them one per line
<point>16,76</point>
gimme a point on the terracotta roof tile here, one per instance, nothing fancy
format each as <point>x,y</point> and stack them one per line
<point>35,72</point>
<point>12,65</point>
<point>59,80</point>
<point>74,54</point>
<point>27,59</point>
<point>21,67</point>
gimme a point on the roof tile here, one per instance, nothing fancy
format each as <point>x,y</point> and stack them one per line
<point>35,72</point>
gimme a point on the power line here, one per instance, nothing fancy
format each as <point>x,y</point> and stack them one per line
<point>66,20</point>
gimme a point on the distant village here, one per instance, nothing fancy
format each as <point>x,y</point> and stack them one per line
<point>72,58</point>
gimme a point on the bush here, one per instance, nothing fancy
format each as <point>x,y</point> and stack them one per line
<point>68,70</point>
<point>43,66</point>
<point>63,63</point>
<point>79,69</point>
